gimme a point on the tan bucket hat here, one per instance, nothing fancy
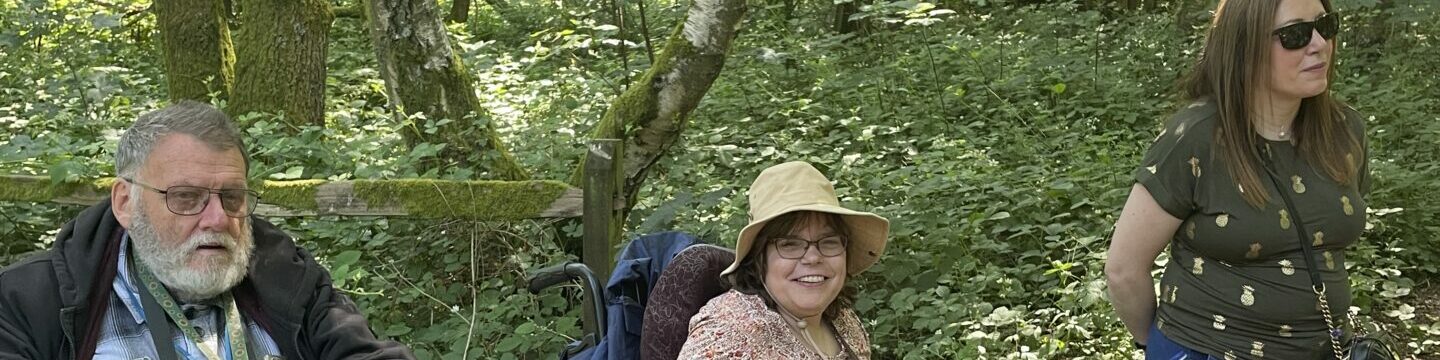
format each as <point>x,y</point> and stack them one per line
<point>798,186</point>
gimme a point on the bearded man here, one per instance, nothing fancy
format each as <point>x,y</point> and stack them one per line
<point>175,266</point>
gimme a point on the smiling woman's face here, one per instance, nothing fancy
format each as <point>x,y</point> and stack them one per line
<point>805,286</point>
<point>1303,72</point>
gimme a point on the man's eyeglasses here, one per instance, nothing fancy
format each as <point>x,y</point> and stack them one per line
<point>792,248</point>
<point>190,200</point>
<point>1296,36</point>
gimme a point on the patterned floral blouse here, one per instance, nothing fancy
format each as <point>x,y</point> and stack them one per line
<point>738,326</point>
<point>1236,285</point>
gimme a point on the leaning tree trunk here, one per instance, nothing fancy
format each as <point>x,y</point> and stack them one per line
<point>281,65</point>
<point>650,116</point>
<point>424,76</point>
<point>197,50</point>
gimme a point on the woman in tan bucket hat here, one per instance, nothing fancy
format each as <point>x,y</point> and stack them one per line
<point>788,298</point>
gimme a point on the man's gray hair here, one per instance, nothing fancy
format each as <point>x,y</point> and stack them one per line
<point>200,120</point>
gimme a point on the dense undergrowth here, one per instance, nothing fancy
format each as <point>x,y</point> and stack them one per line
<point>998,138</point>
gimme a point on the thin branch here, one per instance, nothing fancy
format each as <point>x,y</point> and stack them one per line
<point>619,9</point>
<point>474,298</point>
<point>357,292</point>
<point>407,281</point>
<point>645,32</point>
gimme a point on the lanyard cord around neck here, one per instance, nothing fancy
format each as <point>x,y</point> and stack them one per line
<point>156,296</point>
<point>797,324</point>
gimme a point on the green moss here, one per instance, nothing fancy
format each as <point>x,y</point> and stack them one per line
<point>12,189</point>
<point>639,104</point>
<point>199,57</point>
<point>103,184</point>
<point>294,195</point>
<point>39,189</point>
<point>488,200</point>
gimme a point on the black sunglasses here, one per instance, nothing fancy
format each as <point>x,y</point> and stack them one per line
<point>1296,36</point>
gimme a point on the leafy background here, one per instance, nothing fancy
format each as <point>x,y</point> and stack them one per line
<point>998,136</point>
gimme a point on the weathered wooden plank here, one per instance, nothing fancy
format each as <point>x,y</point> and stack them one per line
<point>600,184</point>
<point>478,200</point>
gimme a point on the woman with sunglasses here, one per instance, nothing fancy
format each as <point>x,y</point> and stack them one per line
<point>788,296</point>
<point>1261,132</point>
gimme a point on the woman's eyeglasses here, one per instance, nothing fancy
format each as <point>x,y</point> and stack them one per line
<point>1296,36</point>
<point>190,200</point>
<point>792,248</point>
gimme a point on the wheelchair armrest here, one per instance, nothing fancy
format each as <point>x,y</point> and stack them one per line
<point>590,286</point>
<point>555,274</point>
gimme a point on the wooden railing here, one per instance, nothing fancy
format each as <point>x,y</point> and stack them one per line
<point>596,204</point>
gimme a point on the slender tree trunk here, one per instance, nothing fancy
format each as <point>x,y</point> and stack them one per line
<point>1376,32</point>
<point>424,76</point>
<point>196,42</point>
<point>650,116</point>
<point>787,11</point>
<point>841,20</point>
<point>281,64</point>
<point>459,11</point>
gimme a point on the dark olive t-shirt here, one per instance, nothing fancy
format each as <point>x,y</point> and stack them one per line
<point>1236,285</point>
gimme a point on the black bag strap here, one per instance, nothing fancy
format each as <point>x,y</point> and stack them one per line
<point>1305,246</point>
<point>155,320</point>
<point>1308,250</point>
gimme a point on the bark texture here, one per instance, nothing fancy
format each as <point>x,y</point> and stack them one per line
<point>423,76</point>
<point>281,64</point>
<point>199,57</point>
<point>650,116</point>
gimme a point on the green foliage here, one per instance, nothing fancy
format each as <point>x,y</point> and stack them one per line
<point>997,137</point>
<point>1000,143</point>
<point>442,285</point>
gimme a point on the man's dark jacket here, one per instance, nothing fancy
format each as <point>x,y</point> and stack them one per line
<point>52,304</point>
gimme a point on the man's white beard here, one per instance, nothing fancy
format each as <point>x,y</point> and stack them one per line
<point>220,273</point>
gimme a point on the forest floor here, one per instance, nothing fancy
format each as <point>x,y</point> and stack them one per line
<point>1427,310</point>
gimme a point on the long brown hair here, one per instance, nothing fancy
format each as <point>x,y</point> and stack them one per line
<point>749,277</point>
<point>1233,63</point>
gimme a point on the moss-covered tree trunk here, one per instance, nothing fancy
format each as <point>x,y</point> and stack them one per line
<point>281,63</point>
<point>425,77</point>
<point>197,51</point>
<point>650,116</point>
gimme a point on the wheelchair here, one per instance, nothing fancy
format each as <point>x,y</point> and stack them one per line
<point>659,282</point>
